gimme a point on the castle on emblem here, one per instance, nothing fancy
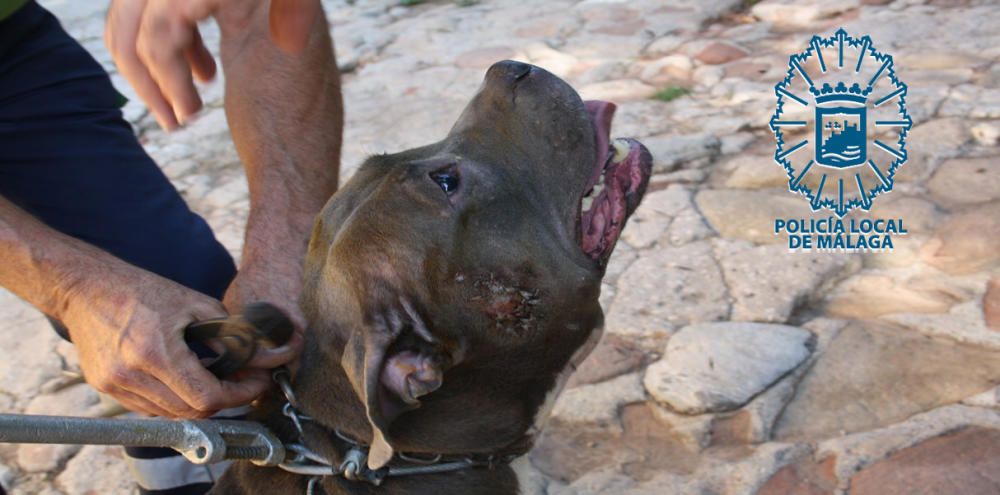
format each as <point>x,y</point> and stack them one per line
<point>841,126</point>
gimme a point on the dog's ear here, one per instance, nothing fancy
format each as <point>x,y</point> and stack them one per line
<point>391,365</point>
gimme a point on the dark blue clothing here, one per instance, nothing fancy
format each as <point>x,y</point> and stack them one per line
<point>68,158</point>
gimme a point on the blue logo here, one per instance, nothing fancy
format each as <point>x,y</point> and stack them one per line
<point>840,123</point>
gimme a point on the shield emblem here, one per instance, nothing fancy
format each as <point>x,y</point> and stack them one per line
<point>841,136</point>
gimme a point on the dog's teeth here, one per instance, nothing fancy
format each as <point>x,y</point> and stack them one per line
<point>622,149</point>
<point>587,203</point>
<point>599,187</point>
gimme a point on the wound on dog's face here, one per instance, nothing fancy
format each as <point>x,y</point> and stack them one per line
<point>512,308</point>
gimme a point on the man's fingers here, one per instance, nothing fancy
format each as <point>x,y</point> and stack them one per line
<point>163,41</point>
<point>120,36</point>
<point>248,385</point>
<point>155,392</point>
<point>272,358</point>
<point>147,89</point>
<point>204,392</point>
<point>137,404</point>
<point>265,358</point>
<point>201,60</point>
<point>290,22</point>
<point>204,308</point>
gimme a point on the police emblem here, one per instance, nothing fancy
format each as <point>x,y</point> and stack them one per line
<point>840,123</point>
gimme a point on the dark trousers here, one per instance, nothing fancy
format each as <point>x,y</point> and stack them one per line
<point>68,158</point>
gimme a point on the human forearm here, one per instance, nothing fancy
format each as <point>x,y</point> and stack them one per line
<point>127,323</point>
<point>284,110</point>
<point>48,268</point>
<point>285,114</point>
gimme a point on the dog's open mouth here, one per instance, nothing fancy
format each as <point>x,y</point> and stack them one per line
<point>619,180</point>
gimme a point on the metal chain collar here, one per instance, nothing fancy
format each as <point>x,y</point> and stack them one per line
<point>306,462</point>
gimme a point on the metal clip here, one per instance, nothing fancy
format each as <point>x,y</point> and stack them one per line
<point>355,468</point>
<point>354,461</point>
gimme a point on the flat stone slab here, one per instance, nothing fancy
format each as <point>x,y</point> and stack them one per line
<point>805,477</point>
<point>767,283</point>
<point>965,181</point>
<point>613,356</point>
<point>749,214</point>
<point>666,289</point>
<point>720,52</point>
<point>646,446</point>
<point>875,374</point>
<point>749,171</point>
<point>97,469</point>
<point>598,403</point>
<point>671,151</point>
<point>798,13</point>
<point>721,366</point>
<point>965,462</point>
<point>967,242</point>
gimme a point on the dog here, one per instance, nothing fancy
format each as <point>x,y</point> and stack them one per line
<point>451,290</point>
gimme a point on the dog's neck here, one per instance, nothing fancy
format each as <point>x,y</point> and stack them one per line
<point>334,420</point>
<point>325,394</point>
<point>484,416</point>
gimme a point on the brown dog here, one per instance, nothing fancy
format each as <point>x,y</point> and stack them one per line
<point>451,289</point>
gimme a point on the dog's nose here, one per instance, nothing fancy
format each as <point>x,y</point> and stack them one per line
<point>510,70</point>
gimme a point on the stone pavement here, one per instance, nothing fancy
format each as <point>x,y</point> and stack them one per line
<point>729,366</point>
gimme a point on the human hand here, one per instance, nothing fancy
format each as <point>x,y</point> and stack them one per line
<point>159,50</point>
<point>129,333</point>
<point>279,285</point>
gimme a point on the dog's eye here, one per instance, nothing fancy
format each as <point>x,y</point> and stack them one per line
<point>446,179</point>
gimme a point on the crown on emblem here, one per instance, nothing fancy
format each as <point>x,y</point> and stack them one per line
<point>840,93</point>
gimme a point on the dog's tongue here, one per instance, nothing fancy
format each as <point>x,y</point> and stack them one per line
<point>619,179</point>
<point>601,114</point>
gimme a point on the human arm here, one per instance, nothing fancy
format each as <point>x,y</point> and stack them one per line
<point>283,105</point>
<point>127,323</point>
<point>285,114</point>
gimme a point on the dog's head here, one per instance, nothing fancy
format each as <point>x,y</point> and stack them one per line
<point>453,282</point>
